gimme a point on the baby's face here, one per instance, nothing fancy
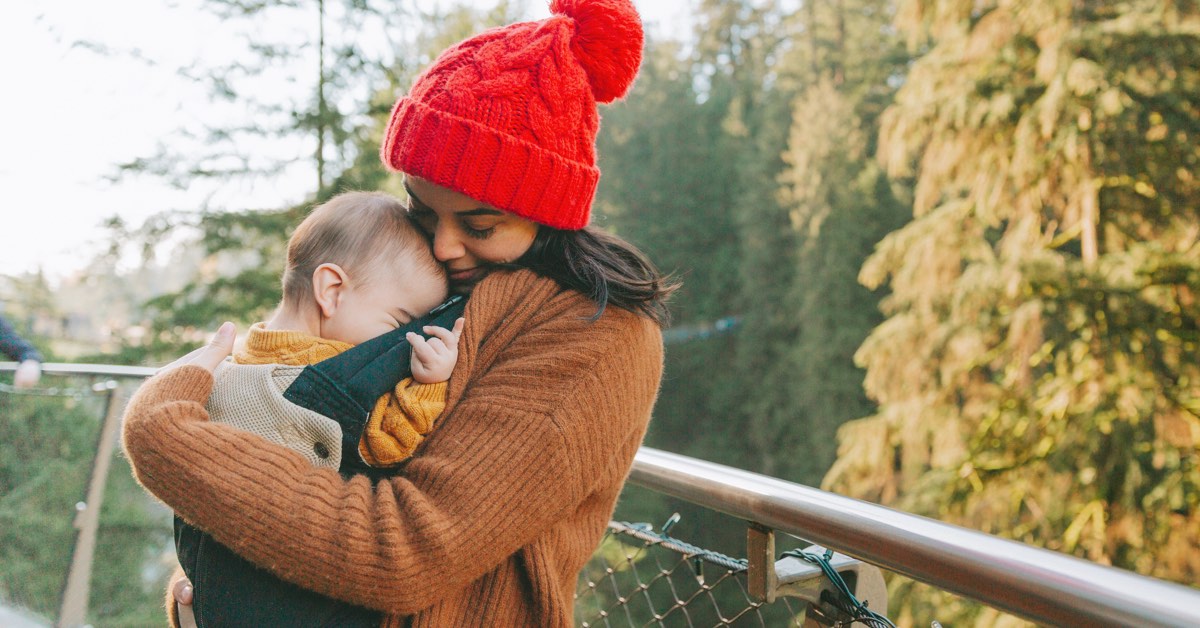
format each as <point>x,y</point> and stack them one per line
<point>394,295</point>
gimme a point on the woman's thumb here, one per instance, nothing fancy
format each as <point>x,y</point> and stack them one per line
<point>218,348</point>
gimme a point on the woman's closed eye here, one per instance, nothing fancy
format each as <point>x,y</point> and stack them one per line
<point>427,220</point>
<point>479,232</point>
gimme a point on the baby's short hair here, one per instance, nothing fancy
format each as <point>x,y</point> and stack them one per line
<point>358,231</point>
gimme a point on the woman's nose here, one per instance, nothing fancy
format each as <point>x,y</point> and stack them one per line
<point>447,245</point>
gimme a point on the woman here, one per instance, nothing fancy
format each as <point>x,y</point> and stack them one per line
<point>560,360</point>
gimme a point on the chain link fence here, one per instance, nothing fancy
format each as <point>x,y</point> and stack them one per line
<point>48,462</point>
<point>639,577</point>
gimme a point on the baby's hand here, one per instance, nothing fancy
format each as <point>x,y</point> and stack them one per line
<point>433,360</point>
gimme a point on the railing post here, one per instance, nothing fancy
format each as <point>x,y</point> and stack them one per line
<point>800,579</point>
<point>73,611</point>
<point>768,579</point>
<point>761,581</point>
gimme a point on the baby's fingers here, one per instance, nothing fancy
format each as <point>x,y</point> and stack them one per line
<point>450,338</point>
<point>420,348</point>
<point>439,347</point>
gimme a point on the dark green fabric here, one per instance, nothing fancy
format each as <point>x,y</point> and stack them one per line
<point>346,386</point>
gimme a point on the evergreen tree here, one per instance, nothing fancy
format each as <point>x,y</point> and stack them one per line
<point>685,177</point>
<point>720,205</point>
<point>667,186</point>
<point>839,206</point>
<point>339,53</point>
<point>1036,374</point>
<point>243,249</point>
<point>675,156</point>
<point>738,43</point>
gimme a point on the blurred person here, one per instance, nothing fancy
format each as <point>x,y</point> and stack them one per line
<point>29,367</point>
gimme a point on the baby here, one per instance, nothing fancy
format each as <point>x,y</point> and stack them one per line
<point>356,269</point>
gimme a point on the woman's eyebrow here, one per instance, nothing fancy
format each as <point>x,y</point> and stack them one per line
<point>480,211</point>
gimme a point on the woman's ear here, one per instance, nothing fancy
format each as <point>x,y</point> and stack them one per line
<point>329,283</point>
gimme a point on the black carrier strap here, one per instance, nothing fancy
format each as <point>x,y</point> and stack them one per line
<point>345,387</point>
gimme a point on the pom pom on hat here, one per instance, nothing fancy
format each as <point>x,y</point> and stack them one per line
<point>608,43</point>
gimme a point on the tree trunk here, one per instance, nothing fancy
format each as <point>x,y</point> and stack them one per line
<point>322,107</point>
<point>1089,210</point>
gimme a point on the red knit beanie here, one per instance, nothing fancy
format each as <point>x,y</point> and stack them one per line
<point>508,117</point>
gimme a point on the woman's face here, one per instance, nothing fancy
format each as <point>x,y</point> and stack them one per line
<point>469,236</point>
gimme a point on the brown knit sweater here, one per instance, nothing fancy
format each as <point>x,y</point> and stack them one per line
<point>491,521</point>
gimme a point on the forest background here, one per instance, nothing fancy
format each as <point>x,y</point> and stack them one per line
<point>939,254</point>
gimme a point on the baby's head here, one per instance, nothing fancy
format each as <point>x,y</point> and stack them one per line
<point>360,266</point>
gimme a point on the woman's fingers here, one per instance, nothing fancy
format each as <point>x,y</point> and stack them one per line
<point>186,359</point>
<point>187,618</point>
<point>181,590</point>
<point>211,354</point>
<point>219,348</point>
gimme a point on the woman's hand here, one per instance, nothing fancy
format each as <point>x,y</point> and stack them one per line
<point>208,358</point>
<point>212,354</point>
<point>181,591</point>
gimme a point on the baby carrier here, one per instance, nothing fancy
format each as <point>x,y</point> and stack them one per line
<point>231,591</point>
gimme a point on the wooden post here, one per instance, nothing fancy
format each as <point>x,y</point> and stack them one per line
<point>761,580</point>
<point>73,612</point>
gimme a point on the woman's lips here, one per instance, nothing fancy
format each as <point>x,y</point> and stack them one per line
<point>464,275</point>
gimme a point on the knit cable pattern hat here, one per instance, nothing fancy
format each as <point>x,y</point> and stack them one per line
<point>508,117</point>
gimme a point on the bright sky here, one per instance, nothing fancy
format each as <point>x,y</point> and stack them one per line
<point>69,115</point>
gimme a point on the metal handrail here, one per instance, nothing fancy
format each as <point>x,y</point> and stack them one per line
<point>109,370</point>
<point>1037,584</point>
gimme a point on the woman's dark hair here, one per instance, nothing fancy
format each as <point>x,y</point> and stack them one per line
<point>604,267</point>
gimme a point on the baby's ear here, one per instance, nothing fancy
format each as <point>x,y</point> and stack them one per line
<point>329,281</point>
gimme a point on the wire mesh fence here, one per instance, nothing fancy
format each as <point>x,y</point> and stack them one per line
<point>639,577</point>
<point>49,439</point>
<point>51,434</point>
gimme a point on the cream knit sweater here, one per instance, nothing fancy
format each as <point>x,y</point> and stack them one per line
<point>491,521</point>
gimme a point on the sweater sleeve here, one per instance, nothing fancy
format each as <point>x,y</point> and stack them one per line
<point>517,453</point>
<point>400,421</point>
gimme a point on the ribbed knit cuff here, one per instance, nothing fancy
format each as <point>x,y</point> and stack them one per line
<point>489,166</point>
<point>184,383</point>
<point>426,392</point>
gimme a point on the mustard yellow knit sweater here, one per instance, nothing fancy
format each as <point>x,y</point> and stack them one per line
<point>491,520</point>
<point>400,419</point>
